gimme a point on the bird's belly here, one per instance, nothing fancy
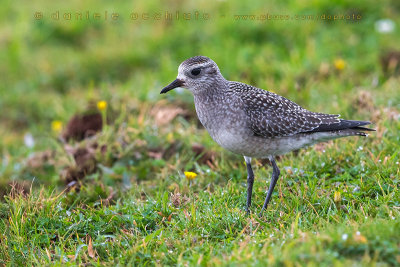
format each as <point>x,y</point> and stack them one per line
<point>246,144</point>
<point>231,140</point>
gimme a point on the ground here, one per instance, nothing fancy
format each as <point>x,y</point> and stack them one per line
<point>93,159</point>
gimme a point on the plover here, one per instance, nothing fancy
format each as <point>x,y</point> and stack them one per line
<point>253,122</point>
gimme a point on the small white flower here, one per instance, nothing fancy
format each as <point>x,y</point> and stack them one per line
<point>385,26</point>
<point>344,237</point>
<point>28,140</point>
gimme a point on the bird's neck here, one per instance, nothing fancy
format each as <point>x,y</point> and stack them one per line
<point>210,96</point>
<point>210,105</point>
<point>211,90</point>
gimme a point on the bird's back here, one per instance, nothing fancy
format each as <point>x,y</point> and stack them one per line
<point>271,115</point>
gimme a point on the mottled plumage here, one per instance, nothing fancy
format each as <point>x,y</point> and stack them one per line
<point>253,122</point>
<point>272,115</point>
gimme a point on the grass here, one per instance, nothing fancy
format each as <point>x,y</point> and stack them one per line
<point>121,197</point>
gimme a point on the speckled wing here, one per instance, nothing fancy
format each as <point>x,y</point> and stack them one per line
<point>271,115</point>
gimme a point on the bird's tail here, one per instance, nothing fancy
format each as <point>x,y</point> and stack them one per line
<point>361,131</point>
<point>348,126</point>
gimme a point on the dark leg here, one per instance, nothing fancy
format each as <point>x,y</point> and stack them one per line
<point>275,176</point>
<point>250,181</point>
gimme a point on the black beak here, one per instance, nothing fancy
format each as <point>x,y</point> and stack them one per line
<point>173,85</point>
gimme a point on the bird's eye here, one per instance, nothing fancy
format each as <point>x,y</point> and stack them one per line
<point>195,71</point>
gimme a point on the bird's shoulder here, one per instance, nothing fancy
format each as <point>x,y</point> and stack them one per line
<point>255,98</point>
<point>258,99</point>
<point>272,115</point>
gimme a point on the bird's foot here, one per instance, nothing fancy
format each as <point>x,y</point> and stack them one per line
<point>248,211</point>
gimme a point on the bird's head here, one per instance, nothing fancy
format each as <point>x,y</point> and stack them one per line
<point>196,74</point>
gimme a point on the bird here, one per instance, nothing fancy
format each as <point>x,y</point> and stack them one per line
<point>253,122</point>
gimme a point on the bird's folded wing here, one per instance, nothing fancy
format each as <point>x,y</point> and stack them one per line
<point>271,115</point>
